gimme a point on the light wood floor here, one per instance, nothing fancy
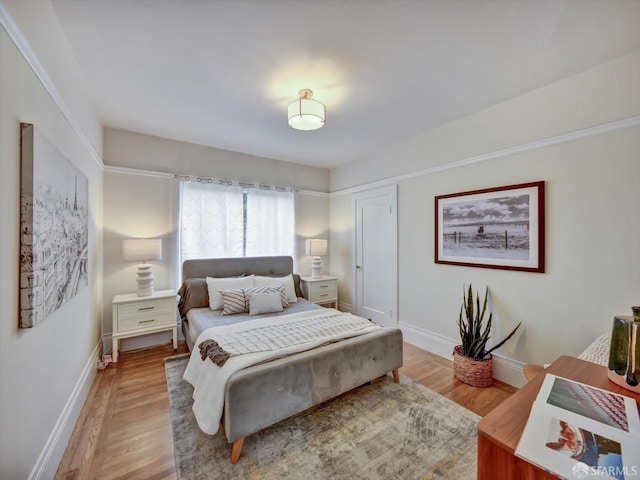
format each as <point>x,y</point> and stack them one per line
<point>124,432</point>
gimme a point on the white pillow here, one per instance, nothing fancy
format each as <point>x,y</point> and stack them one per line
<point>214,285</point>
<point>264,303</point>
<point>275,281</point>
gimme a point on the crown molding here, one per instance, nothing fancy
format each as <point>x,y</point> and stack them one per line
<point>137,171</point>
<point>543,143</point>
<point>312,193</point>
<point>16,36</point>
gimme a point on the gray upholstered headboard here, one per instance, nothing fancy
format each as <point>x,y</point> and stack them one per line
<point>233,267</point>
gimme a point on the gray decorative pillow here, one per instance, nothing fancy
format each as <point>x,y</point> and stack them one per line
<point>264,303</point>
<point>267,289</point>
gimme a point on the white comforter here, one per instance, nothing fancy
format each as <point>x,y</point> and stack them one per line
<point>209,380</point>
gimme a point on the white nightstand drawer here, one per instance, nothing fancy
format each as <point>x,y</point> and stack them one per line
<point>328,286</point>
<point>145,308</point>
<point>145,321</point>
<point>331,293</point>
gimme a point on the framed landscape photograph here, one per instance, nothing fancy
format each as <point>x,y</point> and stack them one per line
<point>501,227</point>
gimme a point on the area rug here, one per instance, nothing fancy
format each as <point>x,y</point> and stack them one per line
<point>381,430</point>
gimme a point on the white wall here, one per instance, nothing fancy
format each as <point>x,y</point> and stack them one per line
<point>45,372</point>
<point>140,205</point>
<point>341,248</point>
<point>593,213</point>
<point>135,206</point>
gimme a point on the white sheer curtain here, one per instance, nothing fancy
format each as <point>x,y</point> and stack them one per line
<point>270,223</point>
<point>232,221</point>
<point>211,221</point>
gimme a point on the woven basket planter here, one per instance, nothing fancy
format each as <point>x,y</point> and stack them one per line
<point>477,373</point>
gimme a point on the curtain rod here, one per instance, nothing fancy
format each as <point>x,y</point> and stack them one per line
<point>229,183</point>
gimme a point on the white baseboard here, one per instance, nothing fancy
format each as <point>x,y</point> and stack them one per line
<point>55,446</point>
<point>504,369</point>
<point>345,307</point>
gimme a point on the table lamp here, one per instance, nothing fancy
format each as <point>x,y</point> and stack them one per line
<point>142,250</point>
<point>317,248</point>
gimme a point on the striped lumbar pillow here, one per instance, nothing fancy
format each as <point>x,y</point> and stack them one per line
<point>233,301</point>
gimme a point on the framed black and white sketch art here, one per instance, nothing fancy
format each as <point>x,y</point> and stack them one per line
<point>500,227</point>
<point>54,228</point>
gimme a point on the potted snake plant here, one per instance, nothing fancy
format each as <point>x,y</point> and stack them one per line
<point>472,361</point>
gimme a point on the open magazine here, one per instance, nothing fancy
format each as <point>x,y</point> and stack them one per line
<point>577,431</point>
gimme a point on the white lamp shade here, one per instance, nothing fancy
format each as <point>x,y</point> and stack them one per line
<point>316,247</point>
<point>306,114</point>
<point>141,249</point>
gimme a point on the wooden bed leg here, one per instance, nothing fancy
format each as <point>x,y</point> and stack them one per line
<point>396,376</point>
<point>235,450</point>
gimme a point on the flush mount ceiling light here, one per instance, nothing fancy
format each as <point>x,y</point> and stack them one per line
<point>305,113</point>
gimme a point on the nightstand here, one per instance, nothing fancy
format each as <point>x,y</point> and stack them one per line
<point>134,315</point>
<point>323,290</point>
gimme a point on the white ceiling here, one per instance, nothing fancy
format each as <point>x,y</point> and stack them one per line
<point>221,73</point>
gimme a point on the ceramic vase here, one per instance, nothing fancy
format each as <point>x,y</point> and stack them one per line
<point>624,353</point>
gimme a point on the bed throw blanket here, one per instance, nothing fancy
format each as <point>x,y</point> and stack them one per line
<point>209,380</point>
<point>273,337</point>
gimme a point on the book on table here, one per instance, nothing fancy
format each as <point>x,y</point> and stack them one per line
<point>577,431</point>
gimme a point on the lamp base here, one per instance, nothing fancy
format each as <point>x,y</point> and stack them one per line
<point>145,280</point>
<point>316,267</point>
<point>621,381</point>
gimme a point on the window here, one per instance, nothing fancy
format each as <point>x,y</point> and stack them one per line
<point>232,221</point>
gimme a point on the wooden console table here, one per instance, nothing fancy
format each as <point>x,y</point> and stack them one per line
<point>499,432</point>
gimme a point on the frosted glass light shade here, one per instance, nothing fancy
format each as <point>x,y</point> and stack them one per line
<point>305,113</point>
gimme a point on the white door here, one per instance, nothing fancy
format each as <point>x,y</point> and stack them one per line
<point>376,257</point>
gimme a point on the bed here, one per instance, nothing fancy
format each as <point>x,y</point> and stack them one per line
<point>263,388</point>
